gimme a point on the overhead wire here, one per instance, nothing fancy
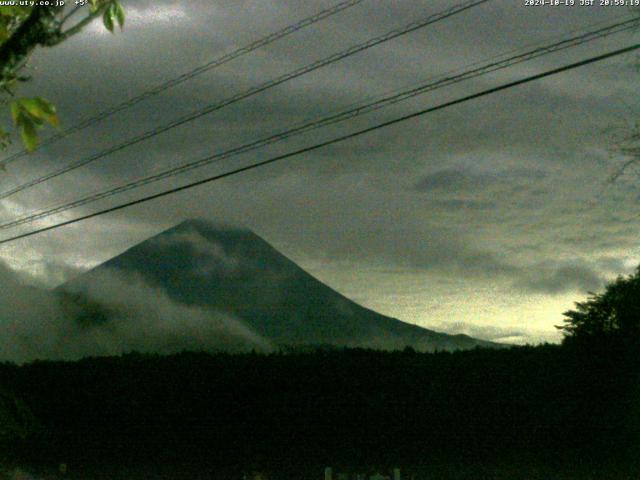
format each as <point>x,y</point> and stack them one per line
<point>199,70</point>
<point>332,141</point>
<point>413,26</point>
<point>344,115</point>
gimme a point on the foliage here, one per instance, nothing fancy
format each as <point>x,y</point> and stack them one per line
<point>29,114</point>
<point>10,18</point>
<point>613,314</point>
<point>22,29</point>
<point>549,407</point>
<point>16,420</point>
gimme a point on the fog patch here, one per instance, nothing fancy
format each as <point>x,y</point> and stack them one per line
<point>498,334</point>
<point>212,255</point>
<point>485,332</point>
<point>453,179</point>
<point>43,324</point>
<point>144,318</point>
<point>33,323</point>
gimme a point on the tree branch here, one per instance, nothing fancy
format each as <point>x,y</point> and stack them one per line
<point>79,26</point>
<point>39,28</point>
<point>71,13</point>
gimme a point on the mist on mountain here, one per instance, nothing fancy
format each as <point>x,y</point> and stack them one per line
<point>196,286</point>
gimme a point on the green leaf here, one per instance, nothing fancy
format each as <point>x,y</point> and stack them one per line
<point>15,112</point>
<point>119,11</point>
<point>36,120</point>
<point>39,109</point>
<point>46,106</point>
<point>9,11</point>
<point>31,106</point>
<point>29,114</point>
<point>29,134</point>
<point>48,111</point>
<point>14,11</point>
<point>108,17</point>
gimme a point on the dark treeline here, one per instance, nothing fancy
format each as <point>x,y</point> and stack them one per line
<point>559,409</point>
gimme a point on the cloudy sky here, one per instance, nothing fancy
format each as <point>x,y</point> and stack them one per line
<point>489,218</point>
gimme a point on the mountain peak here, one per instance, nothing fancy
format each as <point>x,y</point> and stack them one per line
<point>200,224</point>
<point>222,268</point>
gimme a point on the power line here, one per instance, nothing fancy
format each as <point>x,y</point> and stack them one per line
<point>248,93</point>
<point>385,101</point>
<point>264,41</point>
<point>333,141</point>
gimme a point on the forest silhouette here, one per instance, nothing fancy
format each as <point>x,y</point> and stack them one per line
<point>548,411</point>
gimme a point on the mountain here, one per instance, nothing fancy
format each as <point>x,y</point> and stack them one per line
<point>232,272</point>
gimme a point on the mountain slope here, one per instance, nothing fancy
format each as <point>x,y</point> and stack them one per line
<point>235,272</point>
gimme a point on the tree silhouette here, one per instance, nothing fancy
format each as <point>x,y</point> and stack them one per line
<point>24,26</point>
<point>613,314</point>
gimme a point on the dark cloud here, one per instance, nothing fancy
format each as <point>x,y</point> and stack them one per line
<point>560,279</point>
<point>462,204</point>
<point>482,189</point>
<point>452,179</point>
<point>459,180</point>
